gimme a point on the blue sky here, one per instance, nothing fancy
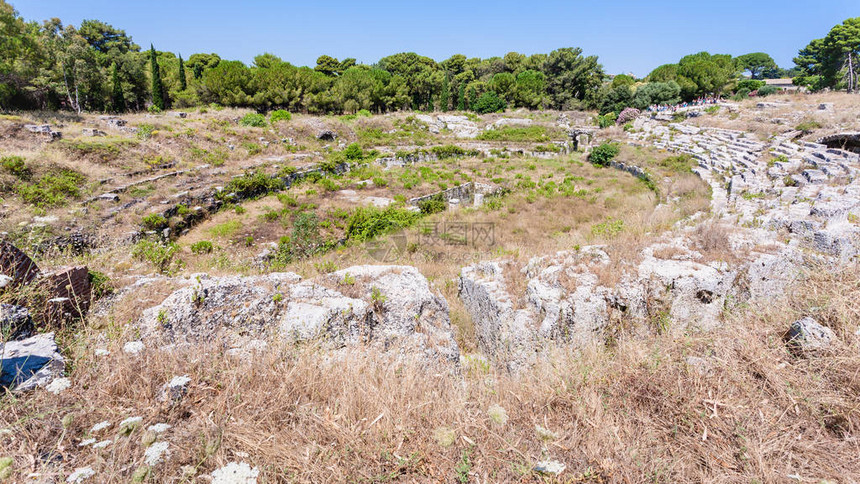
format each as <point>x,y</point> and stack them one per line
<point>627,35</point>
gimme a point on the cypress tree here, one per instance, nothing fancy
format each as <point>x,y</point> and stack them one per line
<point>157,87</point>
<point>182,81</point>
<point>473,97</point>
<point>430,102</point>
<point>443,96</point>
<point>461,99</point>
<point>117,97</point>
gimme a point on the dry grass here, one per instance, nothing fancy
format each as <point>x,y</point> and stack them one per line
<point>637,412</point>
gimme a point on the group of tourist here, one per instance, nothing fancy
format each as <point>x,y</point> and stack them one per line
<point>700,101</point>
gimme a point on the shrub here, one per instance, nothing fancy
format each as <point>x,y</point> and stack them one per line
<point>369,222</point>
<point>202,247</point>
<point>489,102</point>
<point>253,148</point>
<point>808,126</point>
<point>606,120</point>
<point>353,152</point>
<point>451,151</point>
<point>626,116</point>
<point>144,131</point>
<point>52,189</point>
<point>16,166</point>
<point>363,112</point>
<point>749,84</point>
<point>280,115</point>
<point>603,154</point>
<point>767,91</point>
<point>251,185</point>
<point>741,94</point>
<point>254,120</point>
<point>154,221</point>
<point>608,229</point>
<point>161,256</point>
<point>433,205</point>
<point>100,283</point>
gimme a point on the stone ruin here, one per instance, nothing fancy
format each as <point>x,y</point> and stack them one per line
<point>581,137</point>
<point>842,141</point>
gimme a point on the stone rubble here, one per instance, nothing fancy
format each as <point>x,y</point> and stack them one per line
<point>565,301</point>
<point>30,363</point>
<point>389,307</point>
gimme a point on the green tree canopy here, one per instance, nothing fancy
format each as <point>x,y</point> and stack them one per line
<point>756,63</point>
<point>832,62</point>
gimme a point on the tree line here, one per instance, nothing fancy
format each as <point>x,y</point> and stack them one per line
<point>97,67</point>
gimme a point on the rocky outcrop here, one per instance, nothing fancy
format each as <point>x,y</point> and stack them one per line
<point>579,297</point>
<point>388,307</point>
<point>806,335</point>
<point>15,322</point>
<point>30,363</point>
<point>460,126</point>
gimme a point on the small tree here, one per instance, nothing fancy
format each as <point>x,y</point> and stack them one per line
<point>489,102</point>
<point>183,84</point>
<point>473,97</point>
<point>117,97</point>
<point>461,99</point>
<point>157,86</point>
<point>443,96</point>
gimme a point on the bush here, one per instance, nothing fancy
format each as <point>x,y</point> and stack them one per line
<point>741,94</point>
<point>52,189</point>
<point>16,166</point>
<point>154,221</point>
<point>280,115</point>
<point>255,120</point>
<point>451,151</point>
<point>369,222</point>
<point>626,116</point>
<point>251,185</point>
<point>603,154</point>
<point>253,148</point>
<point>433,205</point>
<point>808,126</point>
<point>144,131</point>
<point>202,247</point>
<point>489,102</point>
<point>353,152</point>
<point>749,84</point>
<point>606,120</point>
<point>161,256</point>
<point>767,91</point>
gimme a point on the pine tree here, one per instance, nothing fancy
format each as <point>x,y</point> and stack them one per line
<point>461,99</point>
<point>182,82</point>
<point>117,97</point>
<point>473,98</point>
<point>443,96</point>
<point>157,86</point>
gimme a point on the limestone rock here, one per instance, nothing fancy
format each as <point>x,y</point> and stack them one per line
<point>15,322</point>
<point>807,335</point>
<point>512,122</point>
<point>30,363</point>
<point>389,307</point>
